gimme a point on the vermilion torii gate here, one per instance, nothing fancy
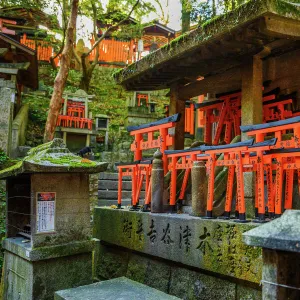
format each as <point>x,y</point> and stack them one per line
<point>240,51</point>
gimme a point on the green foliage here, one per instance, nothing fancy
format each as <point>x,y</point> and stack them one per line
<point>203,11</point>
<point>110,99</point>
<point>38,109</point>
<point>3,158</point>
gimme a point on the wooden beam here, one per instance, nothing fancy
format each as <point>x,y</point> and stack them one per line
<point>19,66</point>
<point>280,27</point>
<point>177,105</point>
<point>220,83</point>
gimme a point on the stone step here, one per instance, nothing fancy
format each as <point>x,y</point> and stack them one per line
<point>111,176</point>
<point>125,202</point>
<point>118,288</point>
<point>113,185</point>
<point>114,194</point>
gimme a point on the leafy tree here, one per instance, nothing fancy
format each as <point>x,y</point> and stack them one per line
<point>118,13</point>
<point>62,75</point>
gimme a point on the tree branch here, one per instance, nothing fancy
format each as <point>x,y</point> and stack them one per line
<point>111,28</point>
<point>77,57</point>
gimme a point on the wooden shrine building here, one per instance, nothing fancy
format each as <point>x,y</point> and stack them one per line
<point>253,51</point>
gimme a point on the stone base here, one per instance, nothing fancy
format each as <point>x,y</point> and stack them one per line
<point>189,257</point>
<point>212,245</point>
<point>115,289</point>
<point>32,274</point>
<point>171,278</point>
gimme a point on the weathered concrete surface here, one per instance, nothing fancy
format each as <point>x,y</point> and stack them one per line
<point>6,116</point>
<point>29,280</point>
<point>115,289</point>
<point>72,207</point>
<point>157,180</point>
<point>280,240</point>
<point>169,277</point>
<point>280,234</point>
<point>199,189</point>
<point>212,245</point>
<point>19,126</point>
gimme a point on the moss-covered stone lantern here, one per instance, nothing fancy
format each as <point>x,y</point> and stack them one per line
<point>48,245</point>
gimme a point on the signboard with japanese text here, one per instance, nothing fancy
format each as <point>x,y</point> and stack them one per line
<point>45,221</point>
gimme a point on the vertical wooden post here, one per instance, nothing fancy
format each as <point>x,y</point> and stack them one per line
<point>252,113</point>
<point>177,106</point>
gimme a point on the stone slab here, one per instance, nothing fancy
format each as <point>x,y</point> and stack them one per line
<point>212,245</point>
<point>115,289</point>
<point>125,202</point>
<point>102,194</point>
<point>24,250</point>
<point>280,234</point>
<point>111,176</point>
<point>113,185</point>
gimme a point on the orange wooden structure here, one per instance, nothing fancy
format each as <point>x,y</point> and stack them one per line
<point>75,116</point>
<point>163,141</point>
<point>182,160</point>
<point>112,51</point>
<point>189,118</point>
<point>226,114</point>
<point>43,48</point>
<point>140,170</point>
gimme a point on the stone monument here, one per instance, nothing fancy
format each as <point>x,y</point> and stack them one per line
<point>48,245</point>
<point>280,240</point>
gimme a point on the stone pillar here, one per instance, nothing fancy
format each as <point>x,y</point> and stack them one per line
<point>177,106</point>
<point>6,115</point>
<point>199,189</point>
<point>157,182</point>
<point>281,256</point>
<point>252,113</point>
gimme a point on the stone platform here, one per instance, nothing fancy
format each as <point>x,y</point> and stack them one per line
<point>116,289</point>
<point>211,245</point>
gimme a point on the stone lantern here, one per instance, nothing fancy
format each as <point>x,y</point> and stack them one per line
<point>48,245</point>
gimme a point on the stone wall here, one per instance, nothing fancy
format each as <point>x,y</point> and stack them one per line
<point>19,127</point>
<point>6,96</point>
<point>169,277</point>
<point>188,257</point>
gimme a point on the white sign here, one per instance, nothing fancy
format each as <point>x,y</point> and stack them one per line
<point>45,212</point>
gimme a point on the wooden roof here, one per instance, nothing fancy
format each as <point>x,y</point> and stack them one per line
<point>27,76</point>
<point>271,27</point>
<point>30,16</point>
<point>158,29</point>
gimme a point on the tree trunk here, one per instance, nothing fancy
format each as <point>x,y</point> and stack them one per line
<point>185,16</point>
<point>62,75</point>
<point>214,9</point>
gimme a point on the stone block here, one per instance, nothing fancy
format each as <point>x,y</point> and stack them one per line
<point>111,263</point>
<point>158,275</point>
<point>212,245</point>
<point>247,293</point>
<point>102,194</point>
<point>108,176</point>
<point>191,285</point>
<point>113,185</point>
<point>115,289</point>
<point>137,268</point>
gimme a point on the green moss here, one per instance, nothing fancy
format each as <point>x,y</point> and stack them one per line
<point>13,169</point>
